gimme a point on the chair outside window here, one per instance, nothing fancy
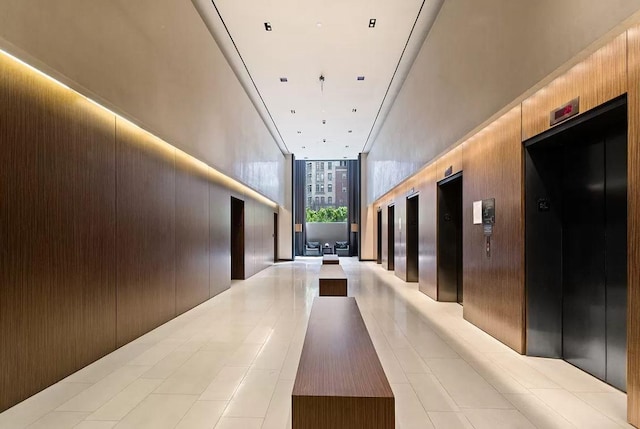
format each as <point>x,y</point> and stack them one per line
<point>342,248</point>
<point>313,248</point>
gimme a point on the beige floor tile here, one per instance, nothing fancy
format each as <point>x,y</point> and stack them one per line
<point>467,388</point>
<point>449,420</point>
<point>431,393</point>
<point>225,384</point>
<point>410,413</point>
<point>120,405</point>
<point>100,393</point>
<point>576,411</point>
<point>27,412</point>
<point>59,420</point>
<point>279,411</point>
<point>503,419</point>
<point>202,415</point>
<point>193,377</point>
<point>253,395</point>
<point>537,412</point>
<point>238,423</point>
<point>612,404</point>
<point>158,412</point>
<point>95,425</point>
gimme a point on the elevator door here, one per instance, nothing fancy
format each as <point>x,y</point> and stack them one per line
<point>450,240</point>
<point>576,243</point>
<point>412,238</point>
<point>379,243</point>
<point>391,240</point>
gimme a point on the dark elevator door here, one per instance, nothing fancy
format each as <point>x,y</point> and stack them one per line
<point>391,240</point>
<point>450,240</point>
<point>594,257</point>
<point>379,243</point>
<point>412,238</point>
<point>576,245</point>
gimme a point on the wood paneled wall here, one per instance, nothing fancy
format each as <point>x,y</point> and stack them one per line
<point>494,286</point>
<point>427,230</point>
<point>57,225</point>
<point>105,232</point>
<point>633,230</point>
<point>494,298</point>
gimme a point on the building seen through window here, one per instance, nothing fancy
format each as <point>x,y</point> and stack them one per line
<point>322,191</point>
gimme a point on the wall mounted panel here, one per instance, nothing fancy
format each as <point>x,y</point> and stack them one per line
<point>220,236</point>
<point>146,201</point>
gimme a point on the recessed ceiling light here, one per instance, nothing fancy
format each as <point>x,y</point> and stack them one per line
<point>267,26</point>
<point>299,132</point>
<point>306,157</point>
<point>324,121</point>
<point>324,140</point>
<point>284,79</point>
<point>350,131</point>
<point>354,110</point>
<point>318,24</point>
<point>360,77</point>
<point>346,146</point>
<point>293,111</point>
<point>372,23</point>
<point>344,157</point>
<point>304,147</point>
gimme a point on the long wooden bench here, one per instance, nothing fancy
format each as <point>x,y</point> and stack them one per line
<point>332,281</point>
<point>340,382</point>
<point>330,260</point>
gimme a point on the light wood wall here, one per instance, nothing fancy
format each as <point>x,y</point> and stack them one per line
<point>492,166</point>
<point>106,232</point>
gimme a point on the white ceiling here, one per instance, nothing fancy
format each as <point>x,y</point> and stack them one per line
<point>331,38</point>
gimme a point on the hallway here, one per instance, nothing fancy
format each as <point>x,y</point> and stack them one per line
<point>231,363</point>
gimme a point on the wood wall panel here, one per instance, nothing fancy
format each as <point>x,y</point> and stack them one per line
<point>452,159</point>
<point>428,267</point>
<point>57,226</point>
<point>598,79</point>
<point>192,232</point>
<point>146,230</point>
<point>220,239</point>
<point>633,219</point>
<point>494,297</point>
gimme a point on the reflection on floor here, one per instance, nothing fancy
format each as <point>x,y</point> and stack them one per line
<point>231,363</point>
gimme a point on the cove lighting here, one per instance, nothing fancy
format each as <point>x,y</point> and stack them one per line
<point>216,175</point>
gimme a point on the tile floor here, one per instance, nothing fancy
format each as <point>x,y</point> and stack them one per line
<point>231,363</point>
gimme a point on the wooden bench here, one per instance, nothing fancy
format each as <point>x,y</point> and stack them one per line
<point>330,260</point>
<point>333,281</point>
<point>340,382</point>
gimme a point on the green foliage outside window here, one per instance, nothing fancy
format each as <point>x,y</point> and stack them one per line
<point>327,214</point>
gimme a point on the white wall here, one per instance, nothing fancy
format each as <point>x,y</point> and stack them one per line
<point>478,58</point>
<point>154,62</point>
